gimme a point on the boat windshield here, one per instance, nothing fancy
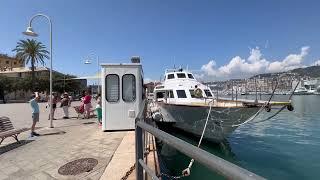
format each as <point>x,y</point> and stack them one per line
<point>190,76</point>
<point>170,76</point>
<point>181,75</point>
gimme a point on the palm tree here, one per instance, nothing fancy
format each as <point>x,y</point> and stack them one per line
<point>31,51</point>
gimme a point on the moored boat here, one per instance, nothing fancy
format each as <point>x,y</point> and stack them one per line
<point>185,103</point>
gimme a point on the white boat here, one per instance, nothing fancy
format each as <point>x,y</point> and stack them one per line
<point>184,102</point>
<point>303,91</point>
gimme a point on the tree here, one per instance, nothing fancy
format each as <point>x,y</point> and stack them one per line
<point>5,86</point>
<point>31,51</point>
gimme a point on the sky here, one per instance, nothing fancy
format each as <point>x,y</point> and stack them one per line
<point>217,39</point>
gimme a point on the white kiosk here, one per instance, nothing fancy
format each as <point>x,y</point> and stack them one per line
<point>122,94</point>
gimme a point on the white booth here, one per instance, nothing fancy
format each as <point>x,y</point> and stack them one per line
<point>122,95</point>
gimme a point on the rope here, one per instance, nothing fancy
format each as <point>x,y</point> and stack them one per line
<point>282,108</point>
<point>186,172</point>
<point>251,118</point>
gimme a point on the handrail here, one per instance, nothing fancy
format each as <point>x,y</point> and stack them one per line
<point>223,167</point>
<point>214,163</point>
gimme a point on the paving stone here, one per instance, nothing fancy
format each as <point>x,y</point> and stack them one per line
<point>41,158</point>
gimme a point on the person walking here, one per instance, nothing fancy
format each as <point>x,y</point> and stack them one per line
<point>99,109</point>
<point>35,113</point>
<point>54,105</point>
<point>65,105</point>
<point>87,104</point>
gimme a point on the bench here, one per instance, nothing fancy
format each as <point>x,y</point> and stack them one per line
<point>7,130</point>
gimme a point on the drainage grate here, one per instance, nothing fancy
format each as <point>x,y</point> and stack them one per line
<point>78,166</point>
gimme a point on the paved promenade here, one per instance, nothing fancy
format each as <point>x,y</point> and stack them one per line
<point>41,157</point>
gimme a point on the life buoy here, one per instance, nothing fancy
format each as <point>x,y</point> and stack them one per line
<point>198,93</point>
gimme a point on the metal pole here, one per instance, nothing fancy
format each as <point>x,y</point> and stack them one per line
<point>255,84</point>
<point>50,96</point>
<point>98,91</point>
<point>232,90</point>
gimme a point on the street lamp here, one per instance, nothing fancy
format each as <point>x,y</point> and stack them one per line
<point>87,61</point>
<point>30,32</point>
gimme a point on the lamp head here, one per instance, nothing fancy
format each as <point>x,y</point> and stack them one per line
<point>30,32</point>
<point>87,61</point>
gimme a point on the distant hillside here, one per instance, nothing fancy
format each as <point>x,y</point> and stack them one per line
<point>311,71</point>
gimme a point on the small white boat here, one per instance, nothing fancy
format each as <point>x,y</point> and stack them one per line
<point>185,102</point>
<point>303,91</point>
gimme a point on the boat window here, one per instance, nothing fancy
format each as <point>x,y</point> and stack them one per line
<point>160,95</point>
<point>170,76</point>
<point>208,93</point>
<point>112,88</point>
<point>181,94</point>
<point>181,75</point>
<point>128,87</point>
<point>192,93</point>
<point>190,76</point>
<point>171,94</point>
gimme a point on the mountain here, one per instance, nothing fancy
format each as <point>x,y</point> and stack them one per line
<point>311,71</point>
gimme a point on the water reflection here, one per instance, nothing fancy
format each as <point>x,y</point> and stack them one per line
<point>175,161</point>
<point>285,147</point>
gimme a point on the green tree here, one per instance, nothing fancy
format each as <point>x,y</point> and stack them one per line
<point>5,86</point>
<point>33,52</point>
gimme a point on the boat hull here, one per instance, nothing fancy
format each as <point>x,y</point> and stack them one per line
<point>192,119</point>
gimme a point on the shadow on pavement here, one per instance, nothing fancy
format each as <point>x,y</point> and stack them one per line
<point>53,133</point>
<point>13,146</point>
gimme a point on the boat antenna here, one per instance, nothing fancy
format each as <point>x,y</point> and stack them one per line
<point>174,62</point>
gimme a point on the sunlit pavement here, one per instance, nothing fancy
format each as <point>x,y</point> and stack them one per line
<point>41,157</point>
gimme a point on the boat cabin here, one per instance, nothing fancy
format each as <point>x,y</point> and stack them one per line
<point>180,86</point>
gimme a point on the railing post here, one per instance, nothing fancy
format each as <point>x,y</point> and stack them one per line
<point>139,153</point>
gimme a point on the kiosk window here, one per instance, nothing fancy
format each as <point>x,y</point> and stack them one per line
<point>112,88</point>
<point>128,87</point>
<point>181,94</point>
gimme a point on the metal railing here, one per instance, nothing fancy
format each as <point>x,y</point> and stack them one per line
<point>214,163</point>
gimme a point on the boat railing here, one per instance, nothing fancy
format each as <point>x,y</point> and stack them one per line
<point>214,163</point>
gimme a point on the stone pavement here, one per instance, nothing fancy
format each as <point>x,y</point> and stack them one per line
<point>41,157</point>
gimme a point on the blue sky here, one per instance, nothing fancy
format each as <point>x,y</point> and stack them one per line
<point>223,39</point>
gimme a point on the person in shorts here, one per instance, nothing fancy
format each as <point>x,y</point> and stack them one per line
<point>35,113</point>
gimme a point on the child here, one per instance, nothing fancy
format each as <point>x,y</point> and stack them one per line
<point>99,109</point>
<point>65,105</point>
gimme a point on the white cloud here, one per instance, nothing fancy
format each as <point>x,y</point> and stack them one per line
<point>316,63</point>
<point>254,64</point>
<point>292,61</point>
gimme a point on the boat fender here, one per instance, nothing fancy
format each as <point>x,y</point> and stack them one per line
<point>268,108</point>
<point>290,107</point>
<point>198,93</point>
<point>157,116</point>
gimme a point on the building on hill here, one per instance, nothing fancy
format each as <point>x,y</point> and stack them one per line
<point>7,63</point>
<point>22,72</point>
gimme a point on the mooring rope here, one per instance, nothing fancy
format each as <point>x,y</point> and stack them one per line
<point>186,172</point>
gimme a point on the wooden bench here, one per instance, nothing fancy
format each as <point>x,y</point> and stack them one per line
<point>7,130</point>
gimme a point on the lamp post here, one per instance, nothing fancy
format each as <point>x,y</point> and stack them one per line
<point>98,64</point>
<point>30,32</point>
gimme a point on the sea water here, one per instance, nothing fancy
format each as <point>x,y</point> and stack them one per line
<point>284,147</point>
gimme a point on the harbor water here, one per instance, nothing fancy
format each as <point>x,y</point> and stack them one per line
<point>284,147</point>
